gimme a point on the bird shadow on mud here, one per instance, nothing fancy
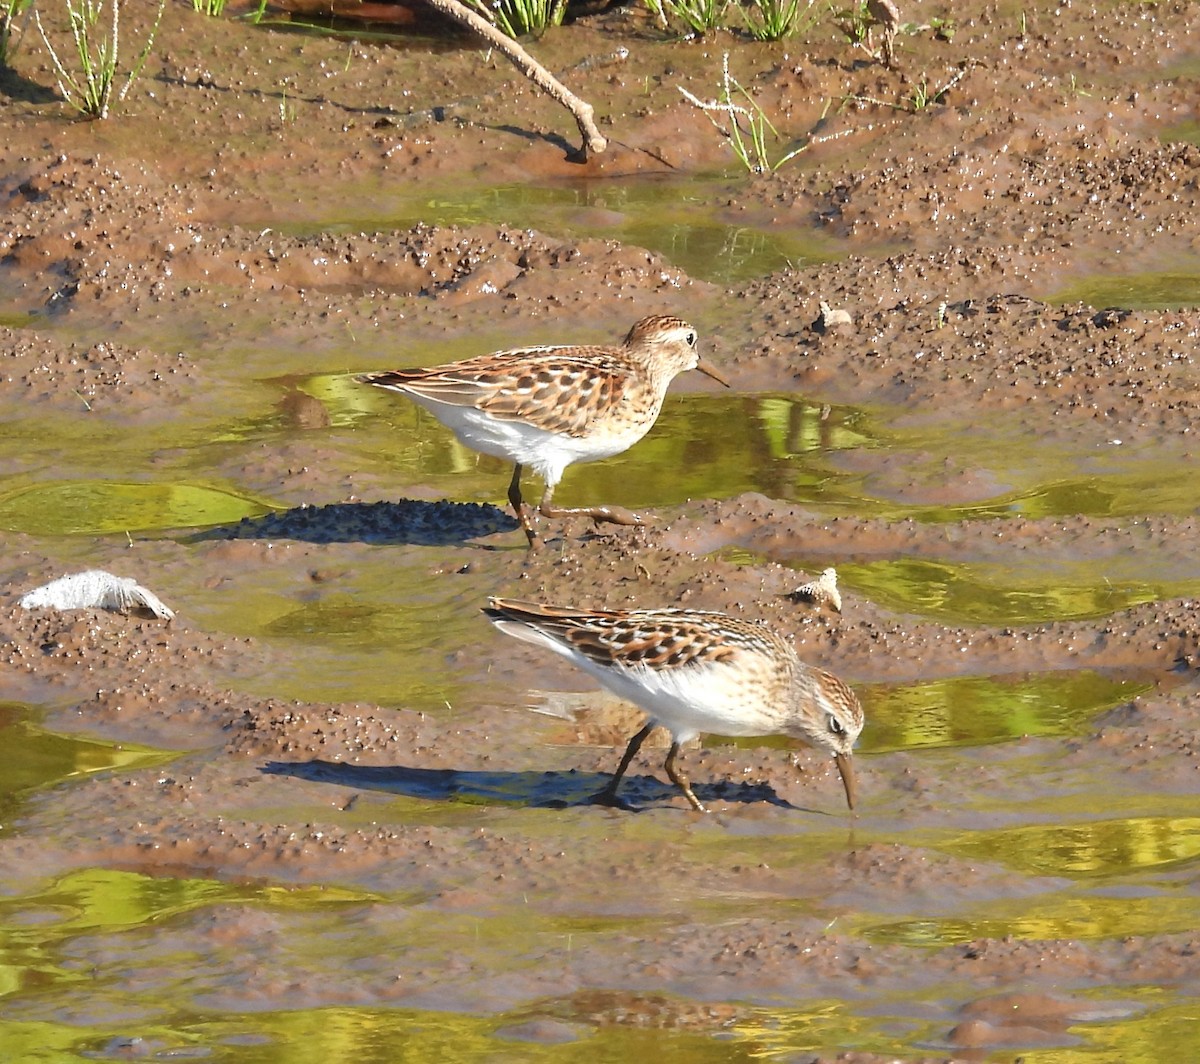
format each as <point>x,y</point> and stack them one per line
<point>537,790</point>
<point>411,521</point>
<point>14,86</point>
<point>555,140</point>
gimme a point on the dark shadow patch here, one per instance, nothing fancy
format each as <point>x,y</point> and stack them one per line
<point>556,140</point>
<point>411,521</point>
<point>21,90</point>
<point>537,790</point>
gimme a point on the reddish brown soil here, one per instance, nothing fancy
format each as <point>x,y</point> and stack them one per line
<point>1045,162</point>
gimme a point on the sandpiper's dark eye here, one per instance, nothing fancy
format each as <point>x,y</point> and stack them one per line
<point>691,339</point>
<point>835,725</point>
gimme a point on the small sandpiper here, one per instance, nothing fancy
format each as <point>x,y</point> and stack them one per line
<point>695,672</point>
<point>546,407</point>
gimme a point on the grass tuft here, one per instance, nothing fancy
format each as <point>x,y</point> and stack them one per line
<point>697,16</point>
<point>745,124</point>
<point>517,18</point>
<point>90,86</point>
<point>774,20</point>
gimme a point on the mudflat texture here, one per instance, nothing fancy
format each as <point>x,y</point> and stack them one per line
<point>374,827</point>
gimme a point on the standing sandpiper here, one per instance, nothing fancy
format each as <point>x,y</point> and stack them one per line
<point>547,407</point>
<point>695,672</point>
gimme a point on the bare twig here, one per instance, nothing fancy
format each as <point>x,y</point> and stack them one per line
<point>754,137</point>
<point>593,140</point>
<point>886,14</point>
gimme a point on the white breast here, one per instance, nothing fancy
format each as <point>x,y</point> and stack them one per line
<point>547,453</point>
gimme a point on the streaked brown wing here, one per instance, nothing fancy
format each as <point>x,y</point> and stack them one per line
<point>435,383</point>
<point>562,393</point>
<point>659,639</point>
<point>557,391</point>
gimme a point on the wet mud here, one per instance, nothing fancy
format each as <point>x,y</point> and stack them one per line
<point>327,788</point>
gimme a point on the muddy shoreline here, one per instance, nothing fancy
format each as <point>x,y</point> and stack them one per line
<point>184,287</point>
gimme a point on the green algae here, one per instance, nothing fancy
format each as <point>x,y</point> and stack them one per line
<point>97,508</point>
<point>47,758</point>
<point>1025,591</point>
<point>1093,849</point>
<point>1161,290</point>
<point>665,215</point>
<point>977,710</point>
<point>1056,916</point>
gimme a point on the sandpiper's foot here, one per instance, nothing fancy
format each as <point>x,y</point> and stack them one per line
<point>681,781</point>
<point>608,798</point>
<point>612,515</point>
<point>692,661</point>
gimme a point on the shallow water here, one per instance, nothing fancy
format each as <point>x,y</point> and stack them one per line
<point>39,759</point>
<point>671,216</point>
<point>367,636</point>
<point>982,829</point>
<point>833,459</point>
<point>1162,290</point>
<point>970,710</point>
<point>362,635</point>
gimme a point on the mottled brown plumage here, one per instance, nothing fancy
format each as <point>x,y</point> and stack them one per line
<point>695,672</point>
<point>548,407</point>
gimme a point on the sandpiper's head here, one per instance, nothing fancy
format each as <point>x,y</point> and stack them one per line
<point>829,716</point>
<point>672,343</point>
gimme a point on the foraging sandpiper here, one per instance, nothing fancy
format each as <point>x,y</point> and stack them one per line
<point>547,407</point>
<point>695,672</point>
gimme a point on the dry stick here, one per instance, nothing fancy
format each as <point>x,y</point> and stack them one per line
<point>593,141</point>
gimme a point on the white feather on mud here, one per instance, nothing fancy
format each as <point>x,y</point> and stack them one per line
<point>821,592</point>
<point>95,589</point>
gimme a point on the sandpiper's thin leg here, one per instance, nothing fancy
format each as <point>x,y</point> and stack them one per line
<point>608,796</point>
<point>514,489</point>
<point>518,504</point>
<point>680,780</point>
<point>614,515</point>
